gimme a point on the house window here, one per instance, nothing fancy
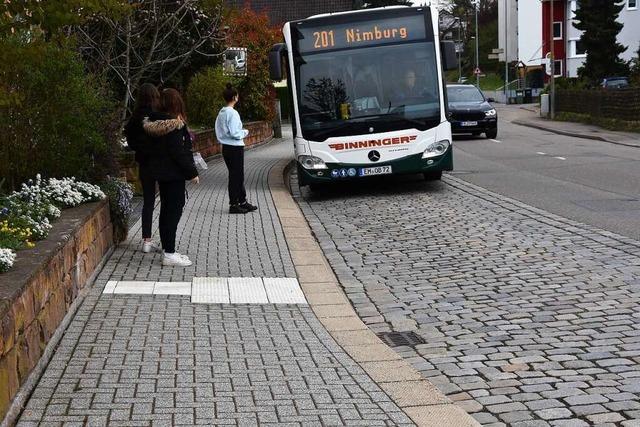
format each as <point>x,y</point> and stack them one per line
<point>579,48</point>
<point>557,68</point>
<point>557,30</point>
<point>632,4</point>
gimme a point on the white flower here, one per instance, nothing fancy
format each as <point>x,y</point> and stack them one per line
<point>7,258</point>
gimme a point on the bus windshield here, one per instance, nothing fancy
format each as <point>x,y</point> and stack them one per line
<point>367,89</point>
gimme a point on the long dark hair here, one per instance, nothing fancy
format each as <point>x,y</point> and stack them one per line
<point>148,97</point>
<point>173,104</point>
<point>229,93</point>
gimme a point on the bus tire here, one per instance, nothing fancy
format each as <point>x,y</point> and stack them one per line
<point>492,133</point>
<point>433,176</point>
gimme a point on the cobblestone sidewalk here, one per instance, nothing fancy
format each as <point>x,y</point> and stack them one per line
<point>528,319</point>
<point>140,360</point>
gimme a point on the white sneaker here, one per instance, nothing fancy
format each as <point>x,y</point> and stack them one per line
<point>150,246</point>
<point>175,259</point>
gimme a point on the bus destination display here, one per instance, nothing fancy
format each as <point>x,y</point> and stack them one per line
<point>359,34</point>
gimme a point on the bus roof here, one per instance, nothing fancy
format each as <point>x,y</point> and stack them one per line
<point>349,12</point>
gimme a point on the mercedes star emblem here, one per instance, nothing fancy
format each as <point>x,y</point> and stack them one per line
<point>374,156</point>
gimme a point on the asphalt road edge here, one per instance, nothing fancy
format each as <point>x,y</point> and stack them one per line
<point>572,134</point>
<point>417,397</point>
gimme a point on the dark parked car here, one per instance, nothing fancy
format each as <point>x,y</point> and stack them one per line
<point>615,83</point>
<point>470,111</point>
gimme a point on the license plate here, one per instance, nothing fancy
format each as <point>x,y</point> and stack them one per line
<point>469,124</point>
<point>378,170</point>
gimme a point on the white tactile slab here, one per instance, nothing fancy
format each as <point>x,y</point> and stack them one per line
<point>247,290</point>
<point>109,287</point>
<point>126,287</point>
<point>210,290</point>
<point>284,291</point>
<point>172,288</point>
<point>218,290</point>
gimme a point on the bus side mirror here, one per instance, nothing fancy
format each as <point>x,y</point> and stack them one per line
<point>275,61</point>
<point>448,53</point>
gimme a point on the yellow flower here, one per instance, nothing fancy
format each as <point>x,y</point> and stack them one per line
<point>30,244</point>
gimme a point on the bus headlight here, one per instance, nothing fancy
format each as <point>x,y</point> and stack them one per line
<point>490,113</point>
<point>312,162</point>
<point>436,149</point>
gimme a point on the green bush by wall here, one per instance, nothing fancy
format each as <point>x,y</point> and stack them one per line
<point>204,96</point>
<point>56,119</point>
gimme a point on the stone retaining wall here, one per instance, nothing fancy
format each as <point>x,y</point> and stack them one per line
<point>207,145</point>
<point>37,292</point>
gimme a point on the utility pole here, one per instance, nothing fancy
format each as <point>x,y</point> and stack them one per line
<point>459,51</point>
<point>477,4</point>
<point>506,51</point>
<point>552,64</point>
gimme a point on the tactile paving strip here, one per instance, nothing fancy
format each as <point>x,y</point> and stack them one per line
<point>210,290</point>
<point>284,291</point>
<point>219,290</point>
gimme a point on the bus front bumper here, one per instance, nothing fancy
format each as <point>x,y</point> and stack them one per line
<point>337,172</point>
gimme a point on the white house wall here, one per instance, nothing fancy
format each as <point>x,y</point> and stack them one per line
<point>530,32</point>
<point>511,29</point>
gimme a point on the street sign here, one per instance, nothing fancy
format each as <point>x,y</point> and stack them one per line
<point>234,61</point>
<point>494,56</point>
<point>499,50</point>
<point>547,64</point>
<point>477,71</point>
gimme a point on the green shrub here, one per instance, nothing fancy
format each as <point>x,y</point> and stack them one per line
<point>56,119</point>
<point>204,96</point>
<point>120,195</point>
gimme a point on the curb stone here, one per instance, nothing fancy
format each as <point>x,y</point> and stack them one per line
<point>421,400</point>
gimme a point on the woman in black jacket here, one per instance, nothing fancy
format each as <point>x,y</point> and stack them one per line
<point>171,164</point>
<point>147,101</point>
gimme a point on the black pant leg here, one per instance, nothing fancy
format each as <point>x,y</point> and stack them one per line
<point>227,155</point>
<point>148,200</point>
<point>172,199</point>
<point>242,192</point>
<point>164,217</point>
<point>234,159</point>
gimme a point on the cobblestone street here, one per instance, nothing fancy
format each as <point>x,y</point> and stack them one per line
<point>528,319</point>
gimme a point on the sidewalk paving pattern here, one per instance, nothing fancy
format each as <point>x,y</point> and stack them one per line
<point>529,319</point>
<point>140,360</point>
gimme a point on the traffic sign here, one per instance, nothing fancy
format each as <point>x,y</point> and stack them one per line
<point>477,71</point>
<point>499,50</point>
<point>494,56</point>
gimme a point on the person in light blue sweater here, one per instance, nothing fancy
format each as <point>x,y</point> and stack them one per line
<point>230,134</point>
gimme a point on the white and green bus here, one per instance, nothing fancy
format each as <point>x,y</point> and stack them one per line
<point>367,93</point>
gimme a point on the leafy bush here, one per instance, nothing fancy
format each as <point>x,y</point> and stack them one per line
<point>204,96</point>
<point>120,195</point>
<point>257,95</point>
<point>56,119</point>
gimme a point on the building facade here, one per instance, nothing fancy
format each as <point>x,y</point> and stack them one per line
<point>281,11</point>
<point>534,31</point>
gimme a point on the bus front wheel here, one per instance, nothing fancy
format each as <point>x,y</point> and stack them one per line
<point>433,176</point>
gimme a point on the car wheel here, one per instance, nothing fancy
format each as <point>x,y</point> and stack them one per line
<point>492,133</point>
<point>433,176</point>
